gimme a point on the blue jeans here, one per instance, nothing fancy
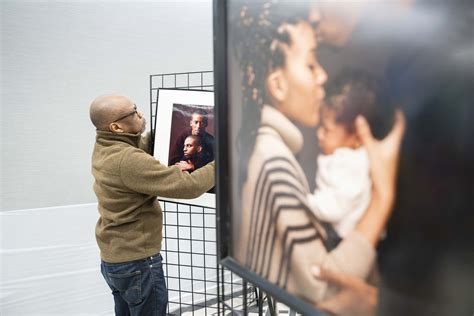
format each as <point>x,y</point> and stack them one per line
<point>138,286</point>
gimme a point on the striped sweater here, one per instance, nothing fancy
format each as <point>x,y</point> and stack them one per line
<point>279,237</point>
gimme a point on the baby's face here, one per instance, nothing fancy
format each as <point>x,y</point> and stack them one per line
<point>190,147</point>
<point>332,135</point>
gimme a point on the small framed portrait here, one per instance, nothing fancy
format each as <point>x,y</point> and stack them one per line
<point>185,133</point>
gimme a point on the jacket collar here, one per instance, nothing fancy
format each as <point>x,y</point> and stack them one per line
<point>131,139</point>
<point>289,133</point>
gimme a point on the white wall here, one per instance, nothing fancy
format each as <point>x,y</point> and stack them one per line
<point>50,263</point>
<point>50,260</point>
<point>56,57</point>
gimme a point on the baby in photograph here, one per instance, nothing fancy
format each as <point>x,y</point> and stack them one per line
<point>343,185</point>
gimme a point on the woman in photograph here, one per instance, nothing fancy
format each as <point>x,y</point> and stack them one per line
<point>279,237</point>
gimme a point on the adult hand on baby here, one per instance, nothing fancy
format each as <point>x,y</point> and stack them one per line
<point>383,154</point>
<point>355,296</point>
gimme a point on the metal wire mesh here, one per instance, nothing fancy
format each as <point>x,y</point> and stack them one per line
<point>197,284</point>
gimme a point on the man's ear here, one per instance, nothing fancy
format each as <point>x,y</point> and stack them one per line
<point>115,128</point>
<point>277,86</point>
<point>199,149</point>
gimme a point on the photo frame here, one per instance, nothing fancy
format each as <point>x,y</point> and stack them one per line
<point>174,113</point>
<point>228,116</point>
<point>423,78</point>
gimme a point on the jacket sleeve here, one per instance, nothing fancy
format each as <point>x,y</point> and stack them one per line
<point>142,173</point>
<point>304,248</point>
<point>353,256</point>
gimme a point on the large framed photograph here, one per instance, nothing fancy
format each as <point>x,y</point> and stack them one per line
<point>324,106</point>
<point>185,133</point>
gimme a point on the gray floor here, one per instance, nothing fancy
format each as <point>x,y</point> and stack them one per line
<point>234,306</point>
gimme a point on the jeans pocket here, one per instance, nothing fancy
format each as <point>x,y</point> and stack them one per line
<point>129,286</point>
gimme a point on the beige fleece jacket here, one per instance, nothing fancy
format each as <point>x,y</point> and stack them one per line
<point>127,182</point>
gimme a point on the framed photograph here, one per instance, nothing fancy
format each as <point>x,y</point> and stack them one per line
<point>292,75</point>
<point>185,133</point>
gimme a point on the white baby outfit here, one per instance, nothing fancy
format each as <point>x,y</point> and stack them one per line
<point>343,188</point>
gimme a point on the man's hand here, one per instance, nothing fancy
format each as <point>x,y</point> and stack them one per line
<point>185,165</point>
<point>355,296</point>
<point>383,154</point>
<point>383,160</point>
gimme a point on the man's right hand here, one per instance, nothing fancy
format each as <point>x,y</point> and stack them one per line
<point>383,154</point>
<point>383,158</point>
<point>185,165</point>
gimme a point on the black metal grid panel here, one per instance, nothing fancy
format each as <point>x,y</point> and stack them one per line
<point>197,284</point>
<point>197,80</point>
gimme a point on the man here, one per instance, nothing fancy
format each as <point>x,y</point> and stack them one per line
<point>197,127</point>
<point>192,158</point>
<point>127,181</point>
<point>192,146</point>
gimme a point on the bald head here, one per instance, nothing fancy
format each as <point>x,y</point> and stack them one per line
<point>106,108</point>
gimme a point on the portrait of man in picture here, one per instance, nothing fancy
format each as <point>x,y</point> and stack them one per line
<point>192,158</point>
<point>193,147</point>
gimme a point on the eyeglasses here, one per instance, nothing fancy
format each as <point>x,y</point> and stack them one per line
<point>129,114</point>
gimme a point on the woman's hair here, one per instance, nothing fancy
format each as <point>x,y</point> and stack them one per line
<point>258,38</point>
<point>355,92</point>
